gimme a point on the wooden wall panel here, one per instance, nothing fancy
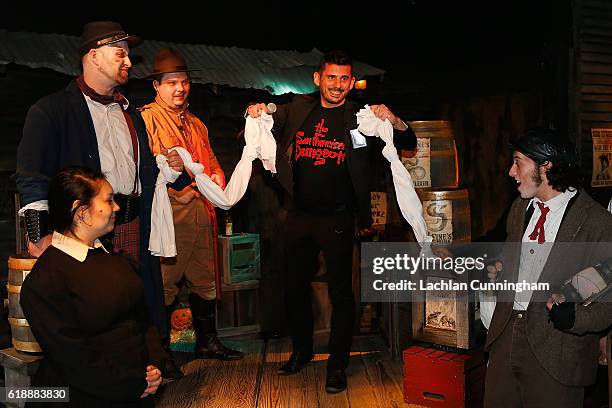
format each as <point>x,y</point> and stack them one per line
<point>591,87</point>
<point>483,127</point>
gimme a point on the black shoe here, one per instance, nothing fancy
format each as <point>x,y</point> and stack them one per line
<point>335,381</point>
<point>296,362</point>
<point>170,371</point>
<point>211,347</point>
<point>270,334</point>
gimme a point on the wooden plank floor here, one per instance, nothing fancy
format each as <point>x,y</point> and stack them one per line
<point>374,380</point>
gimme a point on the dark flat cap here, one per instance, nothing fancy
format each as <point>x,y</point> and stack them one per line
<point>542,145</point>
<point>99,33</point>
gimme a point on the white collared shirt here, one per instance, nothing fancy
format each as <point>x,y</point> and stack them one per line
<point>72,247</point>
<point>534,255</point>
<point>114,145</point>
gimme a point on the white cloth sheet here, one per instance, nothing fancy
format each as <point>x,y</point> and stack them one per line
<point>407,198</point>
<point>259,144</point>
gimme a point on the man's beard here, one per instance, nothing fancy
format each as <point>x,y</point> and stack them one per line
<point>116,76</point>
<point>120,79</point>
<point>536,177</point>
<point>329,97</point>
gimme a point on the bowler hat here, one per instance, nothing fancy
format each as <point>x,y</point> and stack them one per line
<point>168,60</point>
<point>543,145</point>
<point>99,33</point>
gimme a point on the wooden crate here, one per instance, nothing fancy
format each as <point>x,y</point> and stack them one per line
<point>463,332</point>
<point>436,378</point>
<point>238,310</point>
<point>239,257</point>
<point>19,368</point>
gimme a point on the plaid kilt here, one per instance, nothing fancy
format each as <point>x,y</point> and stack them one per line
<point>127,238</point>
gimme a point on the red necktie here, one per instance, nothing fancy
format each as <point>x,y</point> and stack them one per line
<point>538,231</point>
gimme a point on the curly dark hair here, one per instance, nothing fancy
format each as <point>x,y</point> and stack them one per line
<point>563,176</point>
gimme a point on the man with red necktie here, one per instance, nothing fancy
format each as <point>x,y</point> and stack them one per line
<point>541,353</point>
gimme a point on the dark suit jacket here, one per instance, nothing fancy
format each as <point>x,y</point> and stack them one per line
<point>59,132</point>
<point>289,118</point>
<point>568,356</point>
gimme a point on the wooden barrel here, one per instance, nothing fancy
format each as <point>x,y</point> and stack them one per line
<point>434,163</point>
<point>447,214</point>
<point>23,339</point>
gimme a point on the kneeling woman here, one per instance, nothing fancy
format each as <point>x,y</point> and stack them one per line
<point>86,306</point>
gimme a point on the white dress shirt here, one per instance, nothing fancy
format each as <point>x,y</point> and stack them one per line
<point>533,254</point>
<point>114,145</point>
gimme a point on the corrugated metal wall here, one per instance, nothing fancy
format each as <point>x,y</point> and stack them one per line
<point>278,72</point>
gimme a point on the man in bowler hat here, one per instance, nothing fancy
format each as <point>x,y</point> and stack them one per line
<point>91,123</point>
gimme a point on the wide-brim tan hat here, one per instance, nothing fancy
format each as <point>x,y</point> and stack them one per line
<point>168,60</point>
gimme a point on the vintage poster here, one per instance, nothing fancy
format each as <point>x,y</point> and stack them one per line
<point>602,155</point>
<point>440,307</point>
<point>419,163</point>
<point>379,208</point>
<point>439,219</point>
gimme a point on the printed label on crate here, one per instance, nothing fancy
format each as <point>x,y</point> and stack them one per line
<point>439,219</point>
<point>419,163</point>
<point>440,307</point>
<point>602,156</point>
<point>379,207</point>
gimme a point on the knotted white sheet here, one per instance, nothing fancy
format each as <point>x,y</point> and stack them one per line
<point>258,132</point>
<point>259,144</point>
<point>161,240</point>
<point>407,198</point>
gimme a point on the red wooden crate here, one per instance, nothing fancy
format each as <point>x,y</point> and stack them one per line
<point>436,378</point>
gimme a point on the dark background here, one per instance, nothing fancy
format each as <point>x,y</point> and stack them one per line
<point>473,43</point>
<point>493,68</point>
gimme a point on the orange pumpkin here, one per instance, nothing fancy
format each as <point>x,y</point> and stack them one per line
<point>181,319</point>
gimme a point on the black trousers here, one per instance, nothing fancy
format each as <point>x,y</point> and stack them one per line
<point>333,235</point>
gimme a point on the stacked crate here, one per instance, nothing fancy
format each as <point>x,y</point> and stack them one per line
<point>238,310</point>
<point>436,378</point>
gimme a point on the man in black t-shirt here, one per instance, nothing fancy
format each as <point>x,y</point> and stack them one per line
<point>323,164</point>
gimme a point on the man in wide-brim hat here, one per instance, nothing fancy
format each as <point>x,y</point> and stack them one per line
<point>170,123</point>
<point>91,123</point>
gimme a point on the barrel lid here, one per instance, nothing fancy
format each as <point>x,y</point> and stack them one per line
<point>433,195</point>
<point>21,261</point>
<point>430,124</point>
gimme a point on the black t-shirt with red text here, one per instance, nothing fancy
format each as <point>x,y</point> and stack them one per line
<point>322,181</point>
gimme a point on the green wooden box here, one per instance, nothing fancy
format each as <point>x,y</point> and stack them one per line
<point>239,257</point>
<point>238,309</point>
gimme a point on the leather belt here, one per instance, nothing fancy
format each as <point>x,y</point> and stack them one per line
<point>128,208</point>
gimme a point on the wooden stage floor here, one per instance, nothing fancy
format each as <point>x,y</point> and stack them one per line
<point>374,380</point>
